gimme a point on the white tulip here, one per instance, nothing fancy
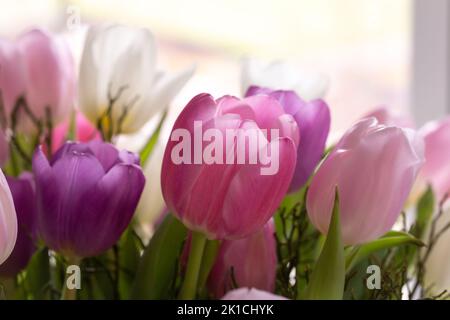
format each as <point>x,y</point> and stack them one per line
<point>279,75</point>
<point>118,73</point>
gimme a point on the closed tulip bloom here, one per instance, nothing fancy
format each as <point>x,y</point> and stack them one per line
<point>49,74</point>
<point>251,294</point>
<point>280,75</point>
<point>12,83</point>
<point>251,262</point>
<point>313,118</point>
<point>119,63</point>
<point>436,169</point>
<point>22,189</point>
<point>220,195</point>
<point>373,167</point>
<point>8,220</point>
<point>86,196</point>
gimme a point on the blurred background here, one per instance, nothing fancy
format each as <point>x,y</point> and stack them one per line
<point>375,52</point>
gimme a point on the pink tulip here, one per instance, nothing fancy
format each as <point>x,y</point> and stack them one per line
<point>251,262</point>
<point>386,116</point>
<point>49,74</point>
<point>251,294</point>
<point>220,197</point>
<point>8,220</point>
<point>12,83</point>
<point>373,168</point>
<point>436,170</point>
<point>84,131</point>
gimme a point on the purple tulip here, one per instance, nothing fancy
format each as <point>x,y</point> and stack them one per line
<point>23,193</point>
<point>86,196</point>
<point>313,119</point>
<point>253,261</point>
<point>374,168</point>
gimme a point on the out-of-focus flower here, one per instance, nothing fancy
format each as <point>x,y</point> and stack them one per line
<point>218,196</point>
<point>387,117</point>
<point>86,196</point>
<point>313,119</point>
<point>4,147</point>
<point>84,131</point>
<point>279,75</point>
<point>119,82</point>
<point>49,74</point>
<point>373,168</point>
<point>23,193</point>
<point>436,169</point>
<point>251,294</point>
<point>8,220</point>
<point>12,83</point>
<point>251,262</point>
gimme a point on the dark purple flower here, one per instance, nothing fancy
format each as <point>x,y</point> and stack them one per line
<point>86,195</point>
<point>313,119</point>
<point>22,190</point>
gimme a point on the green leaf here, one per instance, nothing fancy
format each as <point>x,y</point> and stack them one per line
<point>37,279</point>
<point>158,264</point>
<point>328,277</point>
<point>389,240</point>
<point>424,212</point>
<point>129,255</point>
<point>149,146</point>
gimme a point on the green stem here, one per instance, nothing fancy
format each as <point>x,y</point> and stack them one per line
<point>209,257</point>
<point>189,289</point>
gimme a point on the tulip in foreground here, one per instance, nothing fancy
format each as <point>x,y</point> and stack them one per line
<point>251,262</point>
<point>213,186</point>
<point>119,85</point>
<point>8,220</point>
<point>388,117</point>
<point>23,192</point>
<point>313,119</point>
<point>86,196</point>
<point>373,168</point>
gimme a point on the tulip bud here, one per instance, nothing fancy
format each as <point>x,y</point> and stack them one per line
<point>373,168</point>
<point>281,75</point>
<point>313,119</point>
<point>436,169</point>
<point>8,220</point>
<point>119,83</point>
<point>251,294</point>
<point>49,75</point>
<point>224,183</point>
<point>23,193</point>
<point>86,196</point>
<point>250,262</point>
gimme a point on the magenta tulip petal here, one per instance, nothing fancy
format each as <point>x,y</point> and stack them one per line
<point>313,120</point>
<point>228,196</point>
<point>252,260</point>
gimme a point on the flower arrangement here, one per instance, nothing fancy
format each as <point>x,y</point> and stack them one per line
<point>246,198</point>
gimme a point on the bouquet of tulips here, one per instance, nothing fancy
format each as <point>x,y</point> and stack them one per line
<point>232,198</point>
